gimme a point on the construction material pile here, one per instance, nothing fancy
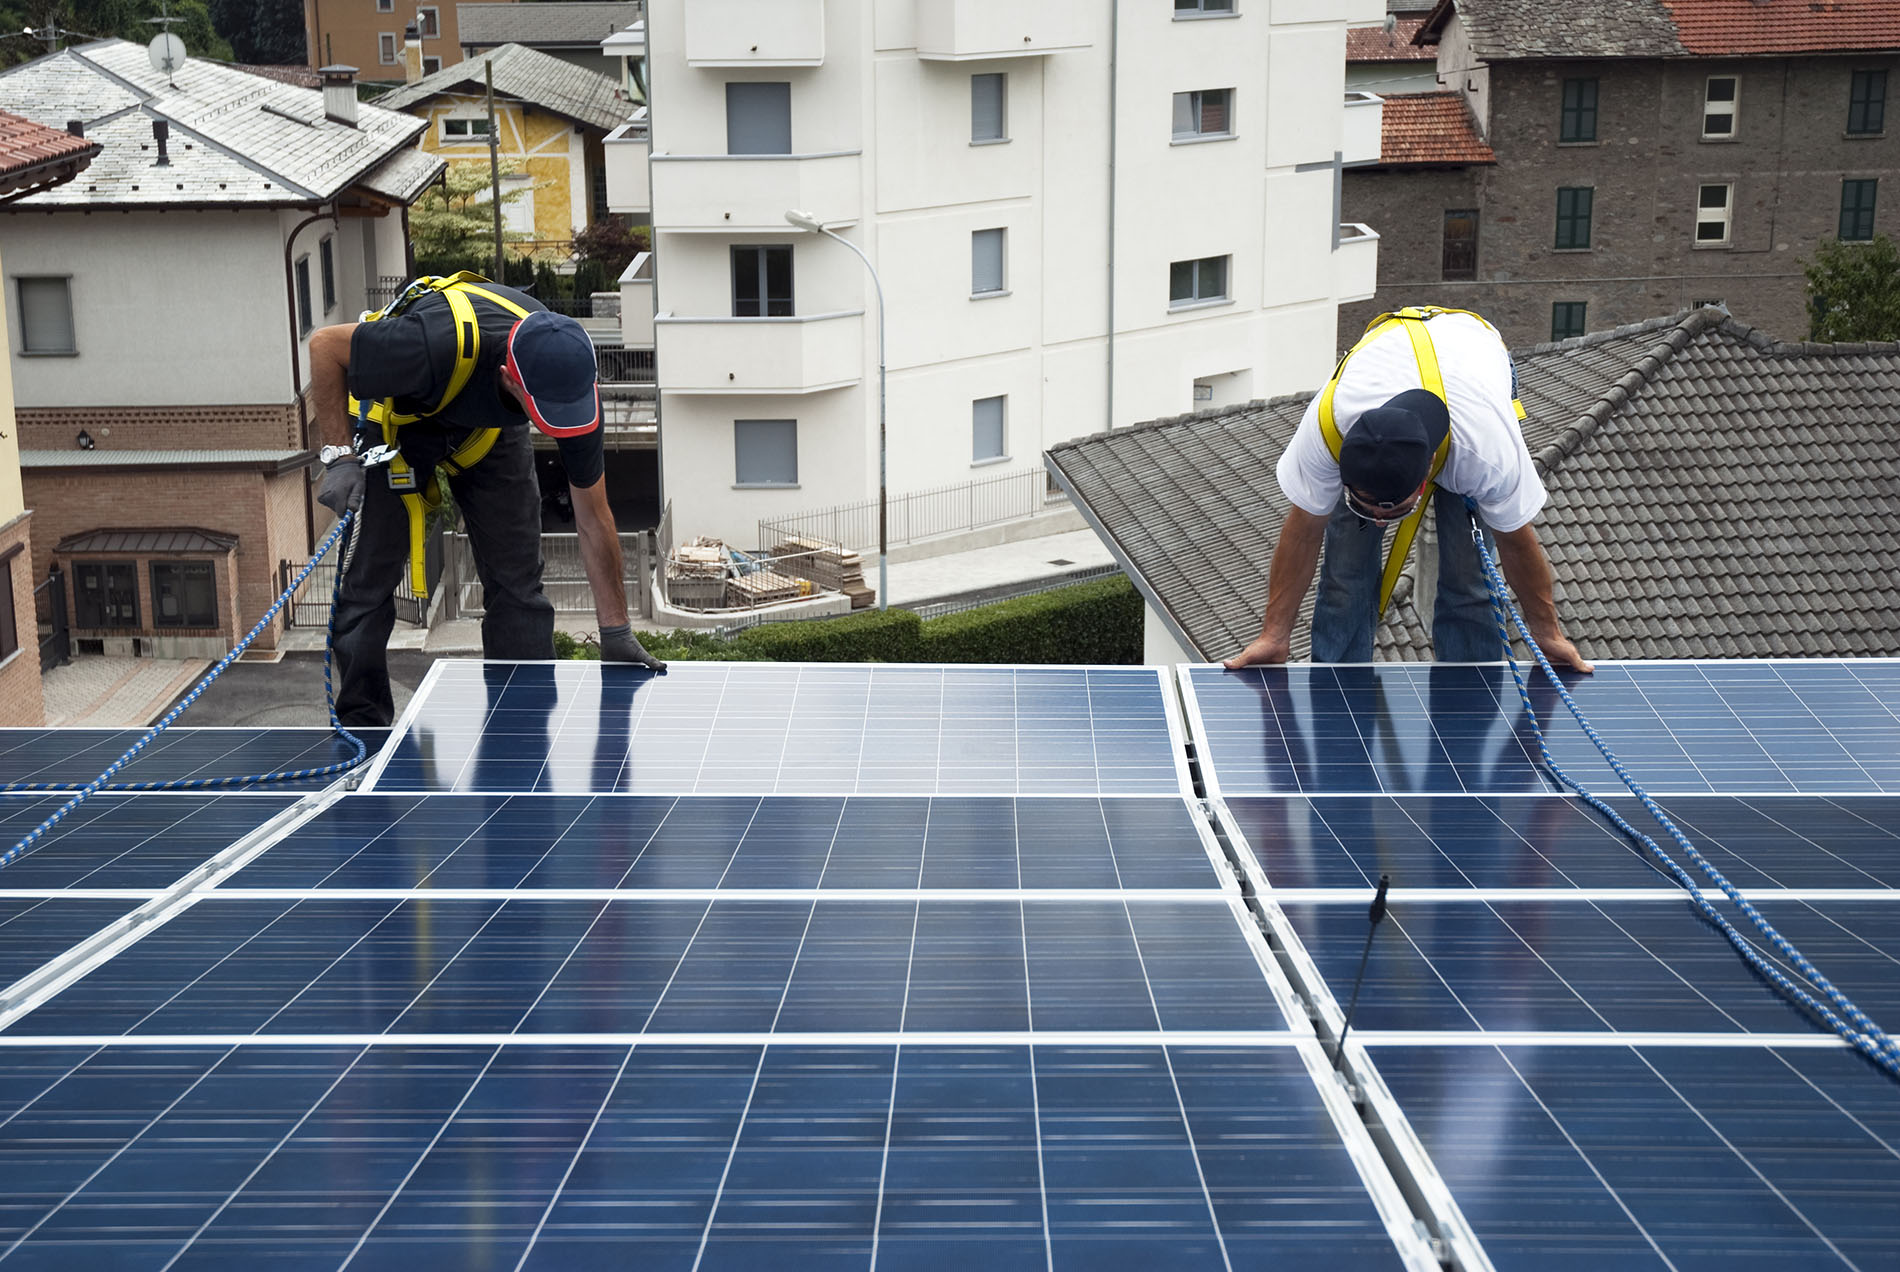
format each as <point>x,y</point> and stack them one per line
<point>825,563</point>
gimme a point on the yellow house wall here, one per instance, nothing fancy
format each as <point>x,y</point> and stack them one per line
<point>532,141</point>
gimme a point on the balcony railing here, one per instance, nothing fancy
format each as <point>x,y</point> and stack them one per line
<point>625,151</point>
<point>721,355</point>
<point>965,30</point>
<point>1362,129</point>
<point>732,194</point>
<point>624,366</point>
<point>1356,262</point>
<point>755,32</point>
<point>922,514</point>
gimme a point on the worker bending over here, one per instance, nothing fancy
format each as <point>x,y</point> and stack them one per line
<point>1423,410</point>
<point>449,377</point>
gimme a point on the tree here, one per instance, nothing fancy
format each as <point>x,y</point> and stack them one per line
<point>453,219</point>
<point>1854,290</point>
<point>82,20</point>
<point>610,243</point>
<point>264,32</point>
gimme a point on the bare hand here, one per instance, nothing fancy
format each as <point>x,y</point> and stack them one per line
<point>1563,653</point>
<point>1265,649</point>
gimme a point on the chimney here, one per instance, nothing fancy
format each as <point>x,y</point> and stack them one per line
<point>161,133</point>
<point>339,94</point>
<point>77,127</point>
<point>411,54</point>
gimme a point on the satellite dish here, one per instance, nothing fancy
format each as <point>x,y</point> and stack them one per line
<point>167,53</point>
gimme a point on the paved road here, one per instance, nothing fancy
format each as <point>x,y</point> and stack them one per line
<point>290,692</point>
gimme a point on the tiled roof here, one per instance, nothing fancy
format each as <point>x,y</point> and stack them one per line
<point>1713,494</point>
<point>403,176</point>
<point>236,139</point>
<point>1717,27</point>
<point>301,76</point>
<point>527,75</point>
<point>1430,128</point>
<point>479,25</point>
<point>276,460</point>
<point>1375,44</point>
<point>1504,29</point>
<point>176,539</point>
<point>32,154</point>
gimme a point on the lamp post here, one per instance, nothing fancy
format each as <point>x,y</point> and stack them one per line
<point>806,221</point>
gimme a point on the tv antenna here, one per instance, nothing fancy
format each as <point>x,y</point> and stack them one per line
<point>166,51</point>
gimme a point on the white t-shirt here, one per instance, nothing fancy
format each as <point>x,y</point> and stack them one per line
<point>1488,459</point>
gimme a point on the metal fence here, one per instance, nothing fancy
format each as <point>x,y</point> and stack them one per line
<point>923,514</point>
<point>311,606</point>
<point>624,366</point>
<point>563,574</point>
<point>49,607</point>
<point>385,289</point>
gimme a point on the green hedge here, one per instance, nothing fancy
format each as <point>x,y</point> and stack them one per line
<point>1098,622</point>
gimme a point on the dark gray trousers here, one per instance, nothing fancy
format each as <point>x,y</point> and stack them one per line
<point>500,503</point>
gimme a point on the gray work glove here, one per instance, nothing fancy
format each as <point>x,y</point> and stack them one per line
<point>342,487</point>
<point>620,645</point>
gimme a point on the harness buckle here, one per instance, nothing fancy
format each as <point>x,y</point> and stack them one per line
<point>403,479</point>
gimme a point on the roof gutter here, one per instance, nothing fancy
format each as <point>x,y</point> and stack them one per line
<point>1148,593</point>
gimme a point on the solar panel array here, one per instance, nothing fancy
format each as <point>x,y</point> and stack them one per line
<point>1595,1076</point>
<point>746,966</point>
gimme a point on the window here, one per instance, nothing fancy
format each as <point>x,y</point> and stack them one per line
<point>386,48</point>
<point>326,257</point>
<point>1573,217</point>
<point>1566,319</point>
<point>1197,282</point>
<point>1202,8</point>
<point>184,594</point>
<point>989,108</point>
<point>430,65</point>
<point>1857,209</point>
<point>765,452</point>
<point>385,6</point>
<point>9,630</point>
<point>517,203</point>
<point>306,320</point>
<point>462,129</point>
<point>1579,122</point>
<point>762,282</point>
<point>986,262</point>
<point>759,119</point>
<point>1206,113</point>
<point>1867,104</point>
<point>597,189</point>
<point>105,594</point>
<point>428,22</point>
<point>46,315</point>
<point>987,440</point>
<point>1460,263</point>
<point>1712,207</point>
<point>1719,105</point>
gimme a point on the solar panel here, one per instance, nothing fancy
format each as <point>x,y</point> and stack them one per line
<point>724,728</point>
<point>1748,727</point>
<point>125,841</point>
<point>74,757</point>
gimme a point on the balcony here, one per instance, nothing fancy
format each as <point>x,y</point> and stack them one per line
<point>750,356</point>
<point>742,194</point>
<point>636,303</point>
<point>626,149</point>
<point>755,32</point>
<point>1362,131</point>
<point>1356,262</point>
<point>966,30</point>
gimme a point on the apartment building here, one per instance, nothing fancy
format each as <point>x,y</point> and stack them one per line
<point>1082,215</point>
<point>368,34</point>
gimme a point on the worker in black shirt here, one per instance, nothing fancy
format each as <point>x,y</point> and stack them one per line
<point>448,377</point>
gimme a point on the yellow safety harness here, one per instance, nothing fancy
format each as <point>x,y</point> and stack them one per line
<point>424,495</point>
<point>1414,319</point>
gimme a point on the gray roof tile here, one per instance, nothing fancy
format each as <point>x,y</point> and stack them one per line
<point>549,22</point>
<point>528,75</point>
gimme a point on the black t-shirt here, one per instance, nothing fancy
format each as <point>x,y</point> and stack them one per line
<point>411,358</point>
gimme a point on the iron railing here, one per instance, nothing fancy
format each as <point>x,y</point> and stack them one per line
<point>385,289</point>
<point>563,574</point>
<point>311,606</point>
<point>49,607</point>
<point>923,514</point>
<point>624,366</point>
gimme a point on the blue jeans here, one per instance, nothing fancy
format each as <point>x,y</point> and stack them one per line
<point>1347,608</point>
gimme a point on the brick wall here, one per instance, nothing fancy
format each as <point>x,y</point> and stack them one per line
<point>266,427</point>
<point>263,511</point>
<point>1786,163</point>
<point>21,703</point>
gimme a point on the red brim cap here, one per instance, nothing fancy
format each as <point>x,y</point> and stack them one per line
<point>552,404</point>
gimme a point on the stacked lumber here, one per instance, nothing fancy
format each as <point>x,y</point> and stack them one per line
<point>827,564</point>
<point>696,573</point>
<point>762,587</point>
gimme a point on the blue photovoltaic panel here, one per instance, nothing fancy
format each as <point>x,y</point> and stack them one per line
<point>35,930</point>
<point>1550,842</point>
<point>74,757</point>
<point>229,965</point>
<point>734,728</point>
<point>1568,965</point>
<point>543,841</point>
<point>125,841</point>
<point>668,1158</point>
<point>1701,1159</point>
<point>1740,727</point>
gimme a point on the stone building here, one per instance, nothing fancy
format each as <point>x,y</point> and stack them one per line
<point>1588,166</point>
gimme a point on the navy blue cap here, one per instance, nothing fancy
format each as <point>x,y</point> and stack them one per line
<point>553,359</point>
<point>1388,452</point>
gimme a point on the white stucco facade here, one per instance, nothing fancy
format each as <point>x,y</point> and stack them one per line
<point>1087,183</point>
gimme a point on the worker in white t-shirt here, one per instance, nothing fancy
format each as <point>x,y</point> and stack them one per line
<point>1369,454</point>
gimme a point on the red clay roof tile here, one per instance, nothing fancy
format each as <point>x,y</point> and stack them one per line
<point>1719,27</point>
<point>1373,44</point>
<point>23,143</point>
<point>1430,128</point>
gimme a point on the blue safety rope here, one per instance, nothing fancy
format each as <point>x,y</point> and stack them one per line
<point>346,524</point>
<point>1863,1034</point>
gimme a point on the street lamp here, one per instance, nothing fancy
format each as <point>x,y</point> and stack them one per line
<point>806,221</point>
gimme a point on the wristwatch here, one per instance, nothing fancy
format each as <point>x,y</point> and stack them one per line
<point>330,454</point>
